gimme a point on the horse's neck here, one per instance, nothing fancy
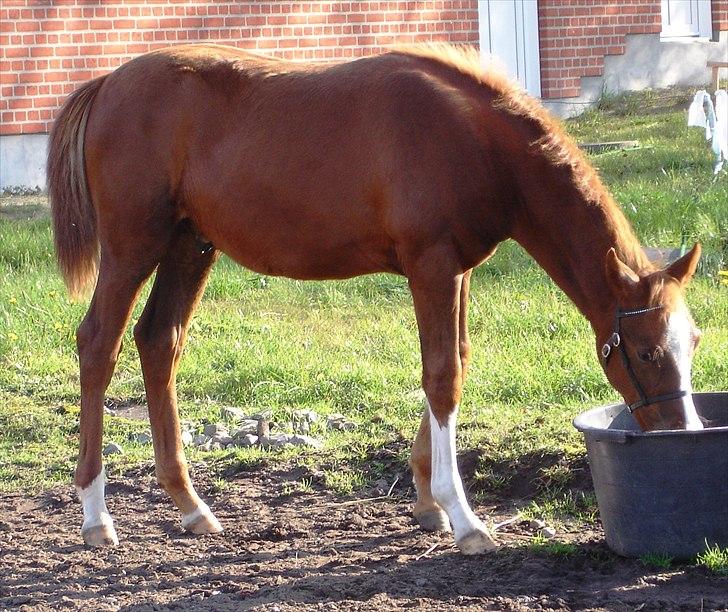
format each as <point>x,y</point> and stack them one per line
<point>569,236</point>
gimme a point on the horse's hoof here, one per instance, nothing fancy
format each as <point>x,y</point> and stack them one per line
<point>433,520</point>
<point>476,542</point>
<point>202,524</point>
<point>100,536</point>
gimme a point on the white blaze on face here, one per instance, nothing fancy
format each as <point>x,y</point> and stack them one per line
<point>679,344</point>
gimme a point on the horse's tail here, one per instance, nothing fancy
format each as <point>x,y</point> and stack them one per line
<point>74,217</point>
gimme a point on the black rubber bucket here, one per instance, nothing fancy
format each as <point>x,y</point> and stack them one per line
<point>664,491</point>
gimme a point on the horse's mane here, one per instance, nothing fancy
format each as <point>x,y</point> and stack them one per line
<point>554,143</point>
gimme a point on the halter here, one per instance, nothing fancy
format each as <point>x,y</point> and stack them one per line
<point>616,341</point>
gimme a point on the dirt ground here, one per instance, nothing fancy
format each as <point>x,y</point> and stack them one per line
<point>312,550</point>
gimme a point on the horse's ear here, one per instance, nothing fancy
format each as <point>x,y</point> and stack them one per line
<point>683,269</point>
<point>620,277</point>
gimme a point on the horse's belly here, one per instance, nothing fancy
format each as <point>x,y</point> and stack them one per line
<point>312,236</point>
<point>308,264</point>
<point>300,254</point>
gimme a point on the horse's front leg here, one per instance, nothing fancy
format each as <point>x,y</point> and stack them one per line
<point>427,512</point>
<point>436,291</point>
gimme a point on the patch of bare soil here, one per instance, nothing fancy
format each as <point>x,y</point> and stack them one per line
<point>283,551</point>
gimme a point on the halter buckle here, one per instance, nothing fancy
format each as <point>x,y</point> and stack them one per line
<point>614,341</point>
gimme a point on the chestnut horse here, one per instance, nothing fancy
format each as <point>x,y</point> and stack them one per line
<point>415,162</point>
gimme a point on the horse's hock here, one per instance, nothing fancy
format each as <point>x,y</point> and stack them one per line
<point>662,491</point>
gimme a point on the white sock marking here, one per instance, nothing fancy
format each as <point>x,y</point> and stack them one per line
<point>679,343</point>
<point>447,488</point>
<point>95,512</point>
<point>202,510</point>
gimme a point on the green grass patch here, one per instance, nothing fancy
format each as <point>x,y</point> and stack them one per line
<point>656,560</point>
<point>559,508</point>
<point>715,559</point>
<point>541,545</point>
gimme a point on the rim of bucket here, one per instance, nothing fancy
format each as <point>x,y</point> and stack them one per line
<point>621,435</point>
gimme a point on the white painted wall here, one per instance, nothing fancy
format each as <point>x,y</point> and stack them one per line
<point>23,160</point>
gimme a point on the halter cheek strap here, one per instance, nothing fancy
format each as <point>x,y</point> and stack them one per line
<point>615,341</point>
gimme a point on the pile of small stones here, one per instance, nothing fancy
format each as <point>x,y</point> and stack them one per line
<point>238,429</point>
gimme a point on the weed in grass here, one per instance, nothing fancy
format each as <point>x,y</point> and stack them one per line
<point>556,476</point>
<point>343,482</point>
<point>488,479</point>
<point>303,486</point>
<point>566,506</point>
<point>656,560</point>
<point>618,104</point>
<point>540,544</point>
<point>714,558</point>
<point>220,485</point>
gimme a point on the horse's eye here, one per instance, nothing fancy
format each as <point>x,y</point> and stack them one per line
<point>650,355</point>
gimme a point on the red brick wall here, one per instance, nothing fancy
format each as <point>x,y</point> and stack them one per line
<point>576,35</point>
<point>720,14</point>
<point>47,48</point>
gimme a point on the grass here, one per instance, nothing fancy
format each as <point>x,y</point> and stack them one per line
<point>351,346</point>
<point>541,545</point>
<point>656,560</point>
<point>715,559</point>
<point>563,506</point>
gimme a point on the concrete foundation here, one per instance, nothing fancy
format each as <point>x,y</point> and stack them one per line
<point>23,161</point>
<point>648,62</point>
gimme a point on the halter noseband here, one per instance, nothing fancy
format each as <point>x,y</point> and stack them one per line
<point>616,341</point>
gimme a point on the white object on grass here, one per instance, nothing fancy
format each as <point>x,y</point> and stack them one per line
<point>715,122</point>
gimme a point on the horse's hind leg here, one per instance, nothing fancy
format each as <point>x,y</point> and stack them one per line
<point>436,289</point>
<point>99,341</point>
<point>427,511</point>
<point>160,336</point>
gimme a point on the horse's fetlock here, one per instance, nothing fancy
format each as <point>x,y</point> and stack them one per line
<point>172,478</point>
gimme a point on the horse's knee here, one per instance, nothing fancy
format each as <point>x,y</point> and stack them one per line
<point>420,462</point>
<point>96,358</point>
<point>157,345</point>
<point>84,335</point>
<point>443,387</point>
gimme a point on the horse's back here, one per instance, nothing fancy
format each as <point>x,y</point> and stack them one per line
<point>352,158</point>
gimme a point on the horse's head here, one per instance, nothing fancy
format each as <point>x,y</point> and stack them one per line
<point>648,350</point>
